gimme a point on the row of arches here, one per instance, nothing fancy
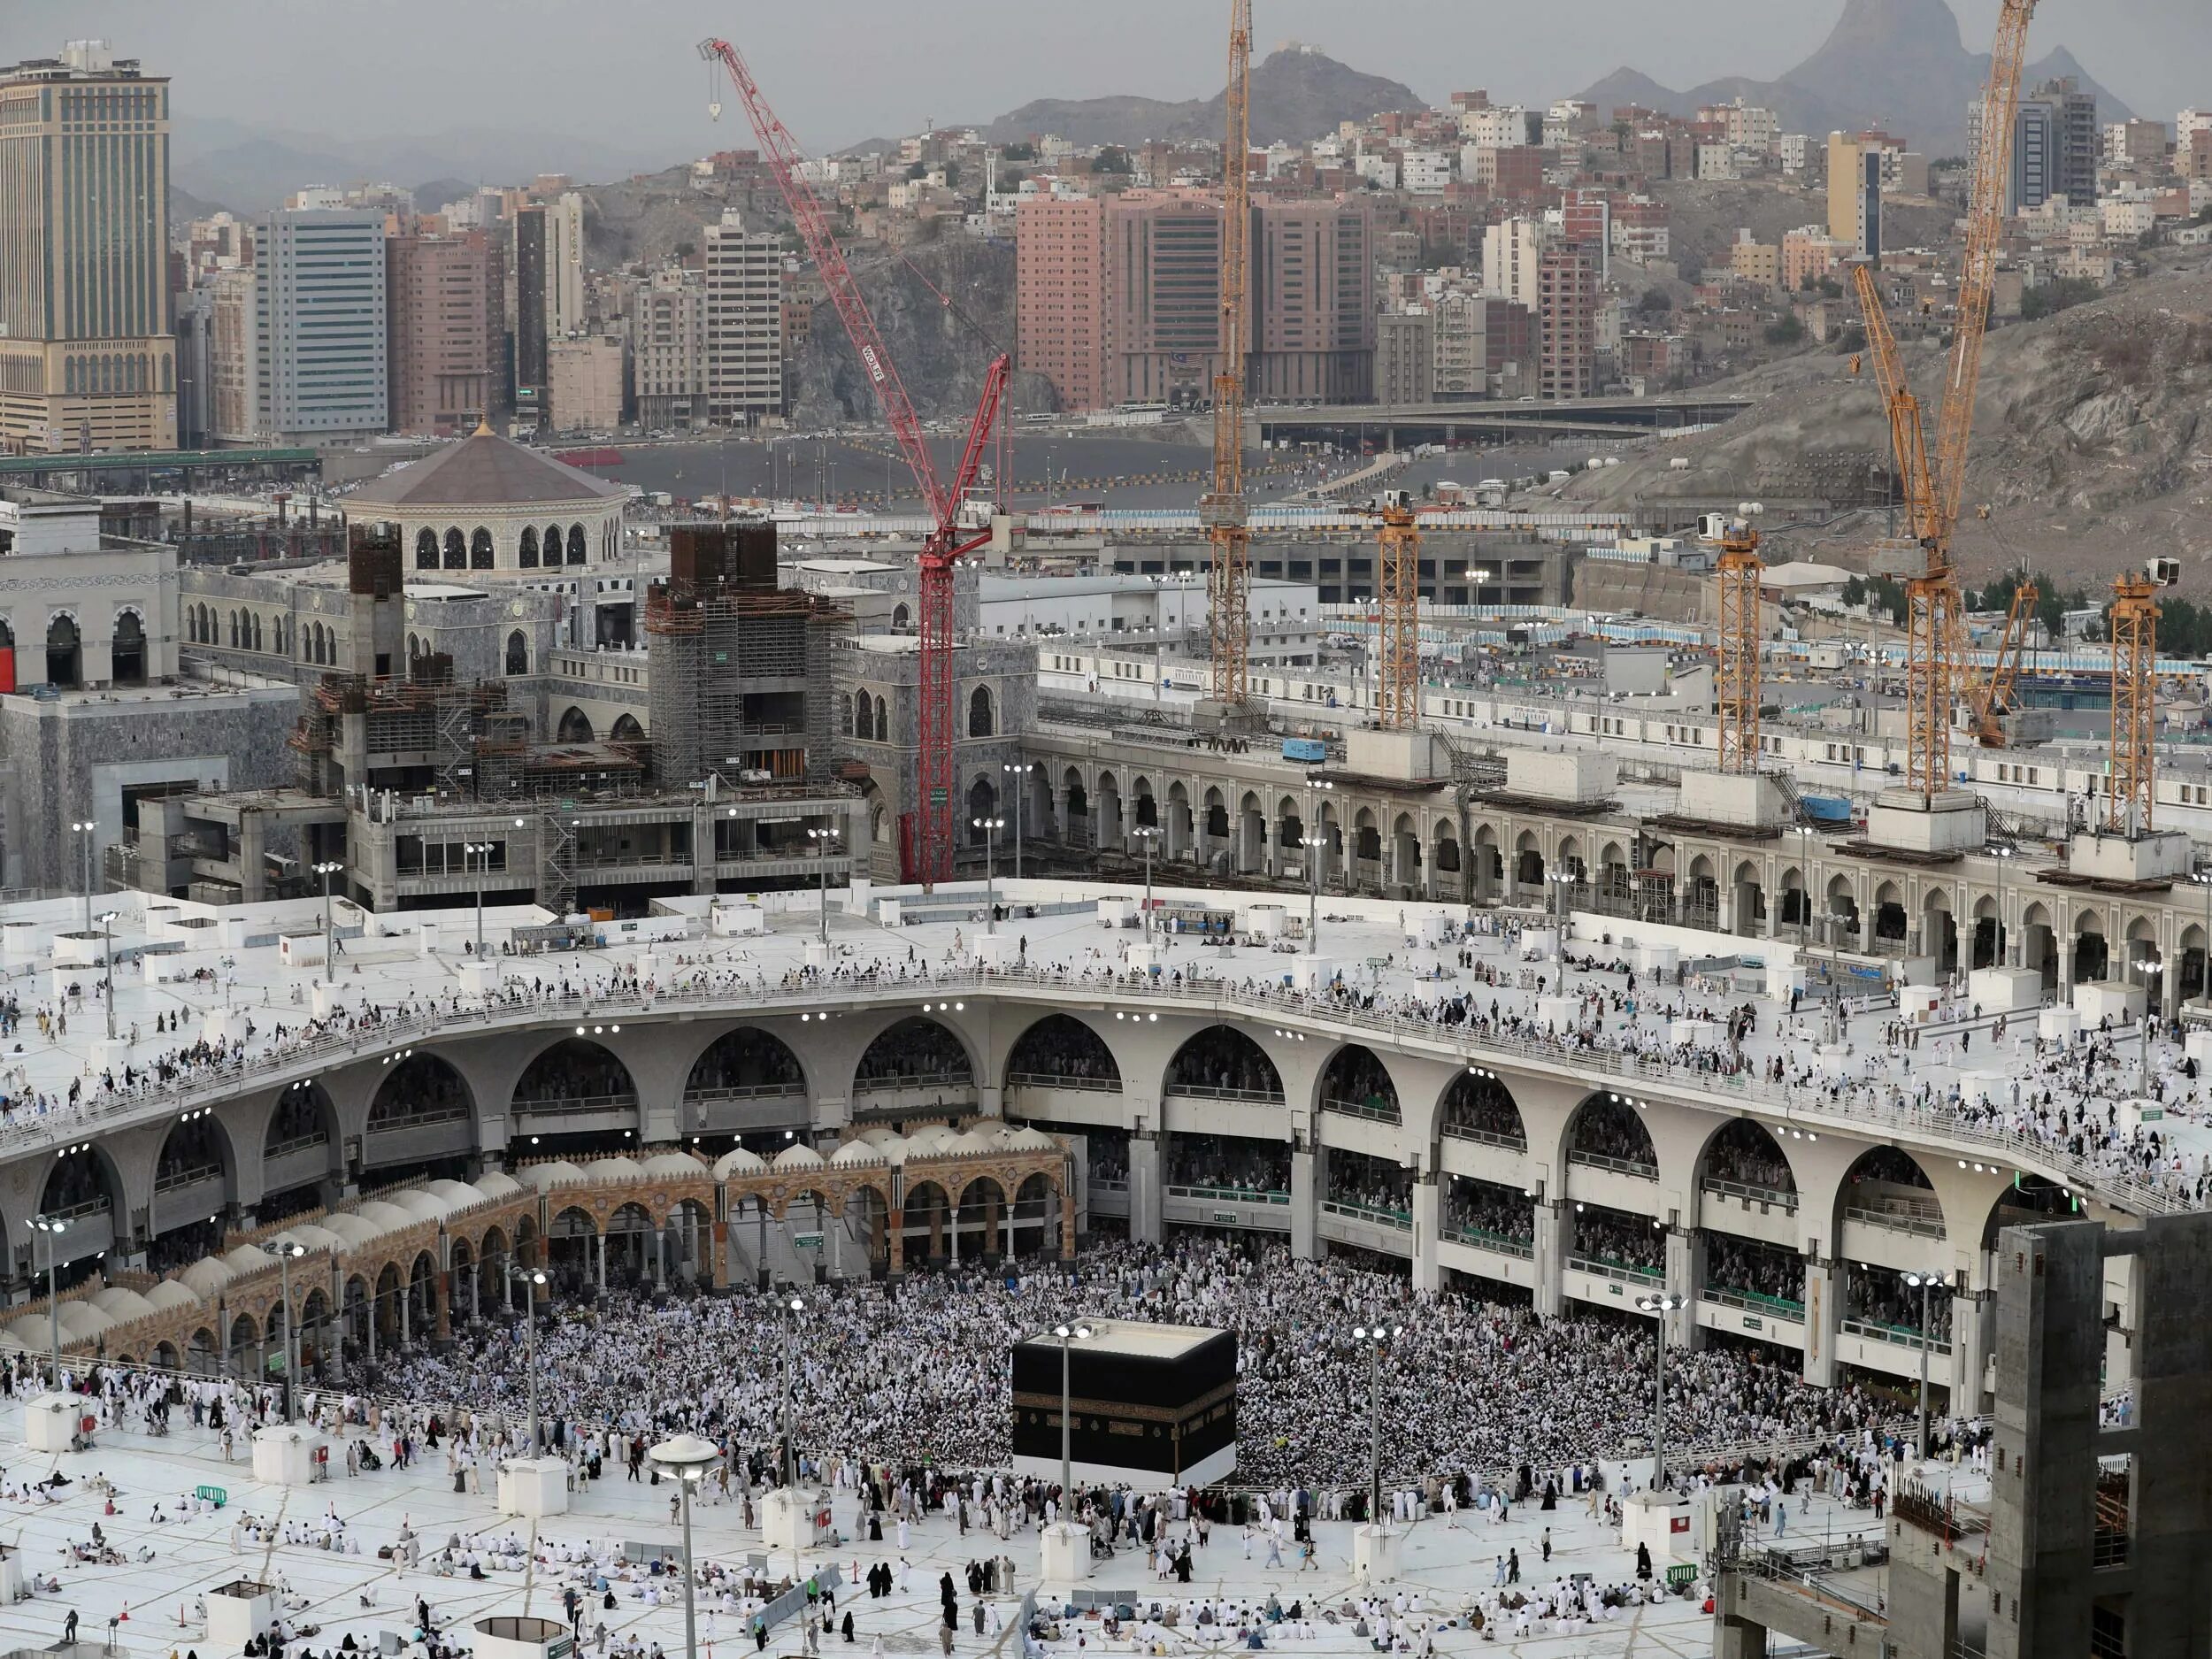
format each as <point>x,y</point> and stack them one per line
<point>473,549</point>
<point>64,664</point>
<point>104,374</point>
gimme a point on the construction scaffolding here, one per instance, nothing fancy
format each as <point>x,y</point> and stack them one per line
<point>739,669</point>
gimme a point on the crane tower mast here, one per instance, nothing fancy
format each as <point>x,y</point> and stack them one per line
<point>1223,512</point>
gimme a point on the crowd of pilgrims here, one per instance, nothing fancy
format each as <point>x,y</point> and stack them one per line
<point>2062,1097</point>
<point>1504,1212</point>
<point>915,1370</point>
<point>1228,1162</point>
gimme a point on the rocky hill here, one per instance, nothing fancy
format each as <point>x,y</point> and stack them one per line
<point>1899,65</point>
<point>1297,94</point>
<point>2091,445</point>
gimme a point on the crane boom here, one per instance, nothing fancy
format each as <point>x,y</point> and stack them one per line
<point>929,834</point>
<point>1223,511</point>
<point>1978,271</point>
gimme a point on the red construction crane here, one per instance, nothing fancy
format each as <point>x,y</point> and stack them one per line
<point>926,829</point>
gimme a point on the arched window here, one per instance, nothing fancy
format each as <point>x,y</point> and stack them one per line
<point>527,556</point>
<point>576,552</point>
<point>845,713</point>
<point>883,722</point>
<point>425,550</point>
<point>575,728</point>
<point>550,545</point>
<point>480,549</point>
<point>254,623</point>
<point>456,552</point>
<point>518,650</point>
<point>65,653</point>
<point>864,717</point>
<point>902,618</point>
<point>980,713</point>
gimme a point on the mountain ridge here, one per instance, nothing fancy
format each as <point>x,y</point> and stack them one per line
<point>1898,64</point>
<point>1297,94</point>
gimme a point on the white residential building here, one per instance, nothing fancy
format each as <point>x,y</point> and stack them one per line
<point>668,348</point>
<point>744,322</point>
<point>1511,251</point>
<point>319,350</point>
<point>1425,172</point>
<point>564,265</point>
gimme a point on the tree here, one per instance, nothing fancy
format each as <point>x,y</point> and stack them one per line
<point>1113,159</point>
<point>2049,298</point>
<point>952,174</point>
<point>1654,302</point>
<point>1023,152</point>
<point>1854,593</point>
<point>1788,332</point>
<point>920,170</point>
<point>1830,289</point>
<point>686,249</point>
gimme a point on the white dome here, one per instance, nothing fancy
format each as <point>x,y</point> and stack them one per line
<point>678,1166</point>
<point>385,1218</point>
<point>119,1304</point>
<point>313,1235</point>
<point>612,1170</point>
<point>170,1293</point>
<point>928,1141</point>
<point>496,1184</point>
<point>457,1194</point>
<point>352,1229</point>
<point>82,1322</point>
<point>206,1276</point>
<point>855,1152</point>
<point>556,1172</point>
<point>32,1332</point>
<point>246,1258</point>
<point>1031,1139</point>
<point>421,1205</point>
<point>799,1156</point>
<point>738,1161</point>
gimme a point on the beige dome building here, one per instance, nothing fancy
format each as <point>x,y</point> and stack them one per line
<point>488,507</point>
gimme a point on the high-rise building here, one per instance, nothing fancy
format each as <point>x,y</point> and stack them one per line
<point>1405,357</point>
<point>1567,312</point>
<point>439,294</point>
<point>233,357</point>
<point>1855,176</point>
<point>1161,321</point>
<point>668,348</point>
<point>744,322</point>
<point>1313,310</point>
<point>1512,250</point>
<point>530,319</point>
<point>2055,140</point>
<point>319,322</point>
<point>587,375</point>
<point>1586,217</point>
<point>87,352</point>
<point>1060,298</point>
<point>564,265</point>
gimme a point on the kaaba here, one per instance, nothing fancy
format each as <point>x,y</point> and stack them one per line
<point>1153,1405</point>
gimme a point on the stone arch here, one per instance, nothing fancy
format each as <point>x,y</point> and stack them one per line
<point>421,1089</point>
<point>527,549</point>
<point>745,1063</point>
<point>83,1181</point>
<point>902,617</point>
<point>517,651</point>
<point>65,651</point>
<point>579,550</point>
<point>425,550</point>
<point>1887,1186</point>
<point>917,1052</point>
<point>1607,1131</point>
<point>1223,1062</point>
<point>982,806</point>
<point>626,729</point>
<point>575,727</point>
<point>982,718</point>
<point>1078,798</point>
<point>574,1074</point>
<point>196,1148</point>
<point>1357,1081</point>
<point>1062,1051</point>
<point>127,649</point>
<point>302,1119</point>
<point>457,550</point>
<point>1479,1106</point>
<point>1742,1157</point>
<point>864,717</point>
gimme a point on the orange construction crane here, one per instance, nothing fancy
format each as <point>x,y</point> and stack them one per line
<point>2134,713</point>
<point>1223,511</point>
<point>1398,593</point>
<point>1932,484</point>
<point>1736,675</point>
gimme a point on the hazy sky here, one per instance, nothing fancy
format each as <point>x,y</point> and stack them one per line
<point>623,73</point>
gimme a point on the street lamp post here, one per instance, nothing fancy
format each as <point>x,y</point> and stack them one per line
<point>1020,775</point>
<point>990,826</point>
<point>2203,878</point>
<point>1805,834</point>
<point>532,1279</point>
<point>688,1458</point>
<point>479,853</point>
<point>107,959</point>
<point>1659,1308</point>
<point>53,1227</point>
<point>84,829</point>
<point>326,869</point>
<point>2001,946</point>
<point>794,1307</point>
<point>1145,835</point>
<point>1316,838</point>
<point>1068,1334</point>
<point>1923,1282</point>
<point>1373,1338</point>
<point>825,844</point>
<point>286,1251</point>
